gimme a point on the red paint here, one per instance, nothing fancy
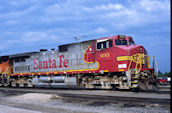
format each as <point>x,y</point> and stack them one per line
<point>40,64</point>
<point>50,63</point>
<point>60,57</point>
<point>54,65</point>
<point>35,64</point>
<point>45,64</point>
<point>107,57</point>
<point>65,63</point>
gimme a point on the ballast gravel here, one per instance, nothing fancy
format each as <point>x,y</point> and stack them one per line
<point>50,103</point>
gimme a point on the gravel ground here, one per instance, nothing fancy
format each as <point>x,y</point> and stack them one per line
<point>7,109</point>
<point>49,103</point>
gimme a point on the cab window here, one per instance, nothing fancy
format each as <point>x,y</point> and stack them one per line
<point>110,43</point>
<point>131,42</point>
<point>104,44</point>
<point>120,42</point>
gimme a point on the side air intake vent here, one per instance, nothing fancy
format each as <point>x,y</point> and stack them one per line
<point>63,48</point>
<point>41,50</point>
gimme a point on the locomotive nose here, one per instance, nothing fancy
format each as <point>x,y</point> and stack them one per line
<point>140,49</point>
<point>135,49</point>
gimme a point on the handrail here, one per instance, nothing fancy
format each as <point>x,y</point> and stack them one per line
<point>138,59</point>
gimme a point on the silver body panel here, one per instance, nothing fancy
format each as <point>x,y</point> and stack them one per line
<point>72,59</point>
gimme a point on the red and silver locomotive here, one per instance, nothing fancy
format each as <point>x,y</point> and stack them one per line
<point>109,62</point>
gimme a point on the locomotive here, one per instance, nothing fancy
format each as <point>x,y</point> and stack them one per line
<point>105,63</point>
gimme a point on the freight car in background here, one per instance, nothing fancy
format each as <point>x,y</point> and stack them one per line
<point>109,62</point>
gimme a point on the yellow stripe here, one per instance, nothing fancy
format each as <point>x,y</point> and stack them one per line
<point>90,62</point>
<point>134,82</point>
<point>140,57</point>
<point>123,58</point>
<point>121,70</point>
<point>106,70</point>
<point>65,71</point>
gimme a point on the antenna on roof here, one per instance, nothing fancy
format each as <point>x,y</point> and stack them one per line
<point>78,37</point>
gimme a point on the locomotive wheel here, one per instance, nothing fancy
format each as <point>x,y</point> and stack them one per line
<point>147,81</point>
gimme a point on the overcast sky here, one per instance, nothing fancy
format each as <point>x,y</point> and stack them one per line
<point>30,25</point>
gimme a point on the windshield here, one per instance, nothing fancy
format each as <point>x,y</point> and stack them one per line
<point>120,42</point>
<point>131,42</point>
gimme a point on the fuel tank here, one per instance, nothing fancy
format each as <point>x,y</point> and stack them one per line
<point>57,79</point>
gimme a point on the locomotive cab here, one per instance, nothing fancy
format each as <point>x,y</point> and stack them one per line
<point>120,54</point>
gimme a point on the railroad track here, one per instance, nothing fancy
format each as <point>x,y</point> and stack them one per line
<point>126,101</point>
<point>98,99</point>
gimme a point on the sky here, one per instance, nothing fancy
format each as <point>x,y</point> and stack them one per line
<point>30,25</point>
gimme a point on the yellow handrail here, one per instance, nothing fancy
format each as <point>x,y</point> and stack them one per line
<point>139,59</point>
<point>5,74</point>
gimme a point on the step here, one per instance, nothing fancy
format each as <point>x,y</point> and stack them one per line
<point>134,82</point>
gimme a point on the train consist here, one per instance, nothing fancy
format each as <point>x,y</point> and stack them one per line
<point>106,63</point>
